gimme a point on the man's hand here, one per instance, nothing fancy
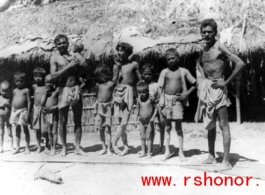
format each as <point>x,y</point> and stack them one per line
<point>117,60</point>
<point>183,96</point>
<point>74,62</point>
<point>218,84</point>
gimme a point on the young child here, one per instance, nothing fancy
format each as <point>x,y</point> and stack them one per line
<point>20,110</point>
<point>147,112</point>
<point>52,114</point>
<point>125,74</point>
<point>103,114</point>
<point>147,72</point>
<point>5,107</point>
<point>174,93</point>
<point>39,112</point>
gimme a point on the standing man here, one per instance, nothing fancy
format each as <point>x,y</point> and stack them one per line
<point>66,71</point>
<point>213,91</point>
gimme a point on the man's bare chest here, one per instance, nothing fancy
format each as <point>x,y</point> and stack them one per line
<point>127,69</point>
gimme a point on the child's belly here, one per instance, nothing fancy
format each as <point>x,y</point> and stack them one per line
<point>19,102</point>
<point>51,102</point>
<point>145,115</point>
<point>4,112</point>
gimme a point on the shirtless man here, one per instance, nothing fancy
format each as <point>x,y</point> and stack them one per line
<point>213,92</point>
<point>125,73</point>
<point>66,74</point>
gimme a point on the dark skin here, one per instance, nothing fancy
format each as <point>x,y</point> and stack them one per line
<point>130,72</point>
<point>212,66</point>
<point>67,75</point>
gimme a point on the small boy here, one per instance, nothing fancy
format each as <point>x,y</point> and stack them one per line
<point>174,94</point>
<point>52,114</point>
<point>126,73</point>
<point>20,110</point>
<point>39,112</point>
<point>147,112</point>
<point>147,75</point>
<point>5,107</point>
<point>103,114</point>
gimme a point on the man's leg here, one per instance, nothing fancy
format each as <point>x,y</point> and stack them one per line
<point>124,122</point>
<point>211,146</point>
<point>63,114</point>
<point>178,127</point>
<point>167,139</point>
<point>2,133</point>
<point>77,112</point>
<point>224,126</point>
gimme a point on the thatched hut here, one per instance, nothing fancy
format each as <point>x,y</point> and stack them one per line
<point>26,35</point>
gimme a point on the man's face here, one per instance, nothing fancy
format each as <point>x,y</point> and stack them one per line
<point>38,79</point>
<point>62,45</point>
<point>20,83</point>
<point>122,54</point>
<point>172,60</point>
<point>208,34</point>
<point>143,93</point>
<point>5,90</point>
<point>147,76</point>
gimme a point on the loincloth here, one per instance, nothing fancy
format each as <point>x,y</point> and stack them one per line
<point>39,118</point>
<point>50,114</point>
<point>212,99</point>
<point>172,109</point>
<point>102,114</point>
<point>68,96</point>
<point>18,116</point>
<point>122,99</point>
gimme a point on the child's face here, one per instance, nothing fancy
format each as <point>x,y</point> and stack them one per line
<point>5,90</point>
<point>172,60</point>
<point>122,54</point>
<point>147,76</point>
<point>208,34</point>
<point>143,93</point>
<point>20,83</point>
<point>39,79</point>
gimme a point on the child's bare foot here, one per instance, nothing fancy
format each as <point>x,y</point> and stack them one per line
<point>52,152</point>
<point>149,156</point>
<point>141,154</point>
<point>27,151</point>
<point>116,149</point>
<point>46,150</point>
<point>223,167</point>
<point>166,156</point>
<point>63,152</point>
<point>80,152</point>
<point>124,152</point>
<point>209,160</point>
<point>101,152</point>
<point>182,157</point>
<point>109,153</point>
<point>38,150</point>
<point>16,151</point>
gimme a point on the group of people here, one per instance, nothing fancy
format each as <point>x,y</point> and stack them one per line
<point>163,101</point>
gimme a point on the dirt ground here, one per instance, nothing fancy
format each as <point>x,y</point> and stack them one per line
<point>96,174</point>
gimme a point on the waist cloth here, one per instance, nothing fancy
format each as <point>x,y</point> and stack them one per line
<point>68,96</point>
<point>102,114</point>
<point>18,116</point>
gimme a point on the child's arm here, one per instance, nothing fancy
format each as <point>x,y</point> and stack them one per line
<point>137,71</point>
<point>116,72</point>
<point>193,83</point>
<point>154,114</point>
<point>137,112</point>
<point>29,105</point>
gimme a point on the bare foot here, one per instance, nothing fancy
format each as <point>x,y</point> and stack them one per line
<point>80,152</point>
<point>209,160</point>
<point>116,149</point>
<point>63,152</point>
<point>109,153</point>
<point>142,154</point>
<point>124,152</point>
<point>1,150</point>
<point>149,156</point>
<point>166,156</point>
<point>52,152</point>
<point>182,157</point>
<point>223,167</point>
<point>101,152</point>
<point>27,151</point>
<point>38,150</point>
<point>46,150</point>
<point>16,151</point>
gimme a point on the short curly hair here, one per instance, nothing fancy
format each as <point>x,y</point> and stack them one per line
<point>39,71</point>
<point>148,66</point>
<point>20,75</point>
<point>60,36</point>
<point>126,47</point>
<point>209,22</point>
<point>103,73</point>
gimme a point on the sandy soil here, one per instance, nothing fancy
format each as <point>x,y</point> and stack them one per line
<point>104,174</point>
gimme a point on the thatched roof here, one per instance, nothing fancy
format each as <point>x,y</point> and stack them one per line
<point>151,26</point>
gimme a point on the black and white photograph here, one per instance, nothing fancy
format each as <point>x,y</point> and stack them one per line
<point>132,97</point>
